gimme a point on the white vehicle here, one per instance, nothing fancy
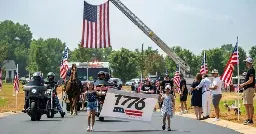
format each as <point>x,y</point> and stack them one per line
<point>88,71</point>
<point>119,81</point>
<point>129,83</point>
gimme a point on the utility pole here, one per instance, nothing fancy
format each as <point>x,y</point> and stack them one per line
<point>142,60</point>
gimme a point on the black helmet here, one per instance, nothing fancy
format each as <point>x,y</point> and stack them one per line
<point>107,76</point>
<point>101,73</point>
<point>50,76</point>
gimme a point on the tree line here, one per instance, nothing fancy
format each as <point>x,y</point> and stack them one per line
<point>16,43</point>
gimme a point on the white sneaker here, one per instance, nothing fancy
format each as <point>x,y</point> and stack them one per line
<point>88,128</point>
<point>91,128</point>
<point>186,111</point>
<point>216,119</point>
<point>181,112</point>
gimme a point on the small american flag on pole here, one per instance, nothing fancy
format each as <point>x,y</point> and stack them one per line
<point>16,84</point>
<point>64,64</point>
<point>1,84</point>
<point>228,71</point>
<point>176,78</point>
<point>96,32</point>
<point>204,68</point>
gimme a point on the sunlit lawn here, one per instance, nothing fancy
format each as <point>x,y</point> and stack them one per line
<point>8,101</point>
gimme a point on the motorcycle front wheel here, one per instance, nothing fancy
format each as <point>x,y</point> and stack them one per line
<point>33,111</point>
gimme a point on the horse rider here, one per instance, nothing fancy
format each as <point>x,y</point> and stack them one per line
<point>52,84</point>
<point>69,72</point>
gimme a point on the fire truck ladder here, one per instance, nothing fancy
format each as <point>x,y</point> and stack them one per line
<point>185,68</point>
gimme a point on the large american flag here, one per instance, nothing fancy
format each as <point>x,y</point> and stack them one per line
<point>228,71</point>
<point>176,78</point>
<point>204,68</point>
<point>16,84</point>
<point>64,64</point>
<point>1,84</point>
<point>96,32</point>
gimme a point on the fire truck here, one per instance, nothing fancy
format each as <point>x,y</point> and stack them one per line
<point>88,71</point>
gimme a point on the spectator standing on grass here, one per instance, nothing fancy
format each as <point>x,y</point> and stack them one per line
<point>216,93</point>
<point>183,95</point>
<point>249,90</point>
<point>196,100</point>
<point>133,88</point>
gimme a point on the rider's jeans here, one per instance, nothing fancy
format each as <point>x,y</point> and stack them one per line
<point>56,99</point>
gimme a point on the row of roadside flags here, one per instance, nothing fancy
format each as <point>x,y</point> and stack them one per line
<point>226,77</point>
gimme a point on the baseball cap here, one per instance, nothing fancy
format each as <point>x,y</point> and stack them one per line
<point>249,60</point>
<point>168,87</point>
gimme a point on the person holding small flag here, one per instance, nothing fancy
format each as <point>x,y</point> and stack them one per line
<point>249,90</point>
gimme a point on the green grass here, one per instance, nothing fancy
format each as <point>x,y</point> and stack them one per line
<point>3,102</point>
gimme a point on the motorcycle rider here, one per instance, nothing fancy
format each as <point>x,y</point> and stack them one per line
<point>101,76</point>
<point>36,81</point>
<point>51,84</point>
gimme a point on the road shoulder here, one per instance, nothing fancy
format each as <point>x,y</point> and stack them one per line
<point>227,124</point>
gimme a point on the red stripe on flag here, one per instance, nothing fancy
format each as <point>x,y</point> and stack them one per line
<point>133,112</point>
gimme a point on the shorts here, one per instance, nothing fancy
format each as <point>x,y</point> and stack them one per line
<point>91,105</point>
<point>183,97</point>
<point>216,99</point>
<point>248,95</point>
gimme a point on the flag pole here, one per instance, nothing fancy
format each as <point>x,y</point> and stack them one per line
<point>16,91</point>
<point>238,81</point>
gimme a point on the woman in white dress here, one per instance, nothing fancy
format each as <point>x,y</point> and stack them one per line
<point>168,107</point>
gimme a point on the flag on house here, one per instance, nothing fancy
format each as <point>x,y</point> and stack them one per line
<point>64,64</point>
<point>1,83</point>
<point>204,68</point>
<point>16,84</point>
<point>176,78</point>
<point>96,31</point>
<point>228,71</point>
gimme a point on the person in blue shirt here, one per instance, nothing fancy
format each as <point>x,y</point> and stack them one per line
<point>206,95</point>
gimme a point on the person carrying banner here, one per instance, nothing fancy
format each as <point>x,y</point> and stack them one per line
<point>206,95</point>
<point>249,90</point>
<point>168,107</point>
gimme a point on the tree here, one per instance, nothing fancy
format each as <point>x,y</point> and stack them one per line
<point>3,51</point>
<point>214,59</point>
<point>45,55</point>
<point>252,53</point>
<point>17,39</point>
<point>123,63</point>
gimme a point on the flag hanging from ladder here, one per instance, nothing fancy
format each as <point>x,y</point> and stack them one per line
<point>16,84</point>
<point>228,71</point>
<point>96,32</point>
<point>64,64</point>
<point>204,68</point>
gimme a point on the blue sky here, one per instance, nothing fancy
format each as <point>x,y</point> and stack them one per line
<point>191,24</point>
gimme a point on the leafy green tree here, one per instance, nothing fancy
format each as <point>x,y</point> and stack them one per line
<point>17,37</point>
<point>123,63</point>
<point>252,53</point>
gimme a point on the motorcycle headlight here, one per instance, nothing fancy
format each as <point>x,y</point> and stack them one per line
<point>33,91</point>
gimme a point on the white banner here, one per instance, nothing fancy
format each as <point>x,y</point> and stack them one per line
<point>134,106</point>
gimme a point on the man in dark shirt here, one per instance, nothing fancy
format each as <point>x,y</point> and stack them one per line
<point>249,89</point>
<point>147,88</point>
<point>183,94</point>
<point>166,82</point>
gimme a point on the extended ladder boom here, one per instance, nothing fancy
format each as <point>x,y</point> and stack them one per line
<point>151,35</point>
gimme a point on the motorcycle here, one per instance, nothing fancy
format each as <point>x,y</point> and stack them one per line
<point>35,101</point>
<point>51,104</point>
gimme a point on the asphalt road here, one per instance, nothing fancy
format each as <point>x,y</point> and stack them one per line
<point>21,124</point>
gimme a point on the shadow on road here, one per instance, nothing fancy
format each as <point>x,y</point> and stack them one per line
<point>113,121</point>
<point>128,131</point>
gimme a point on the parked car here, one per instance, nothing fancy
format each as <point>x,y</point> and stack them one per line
<point>119,81</point>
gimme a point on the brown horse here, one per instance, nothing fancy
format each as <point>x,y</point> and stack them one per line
<point>72,89</point>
